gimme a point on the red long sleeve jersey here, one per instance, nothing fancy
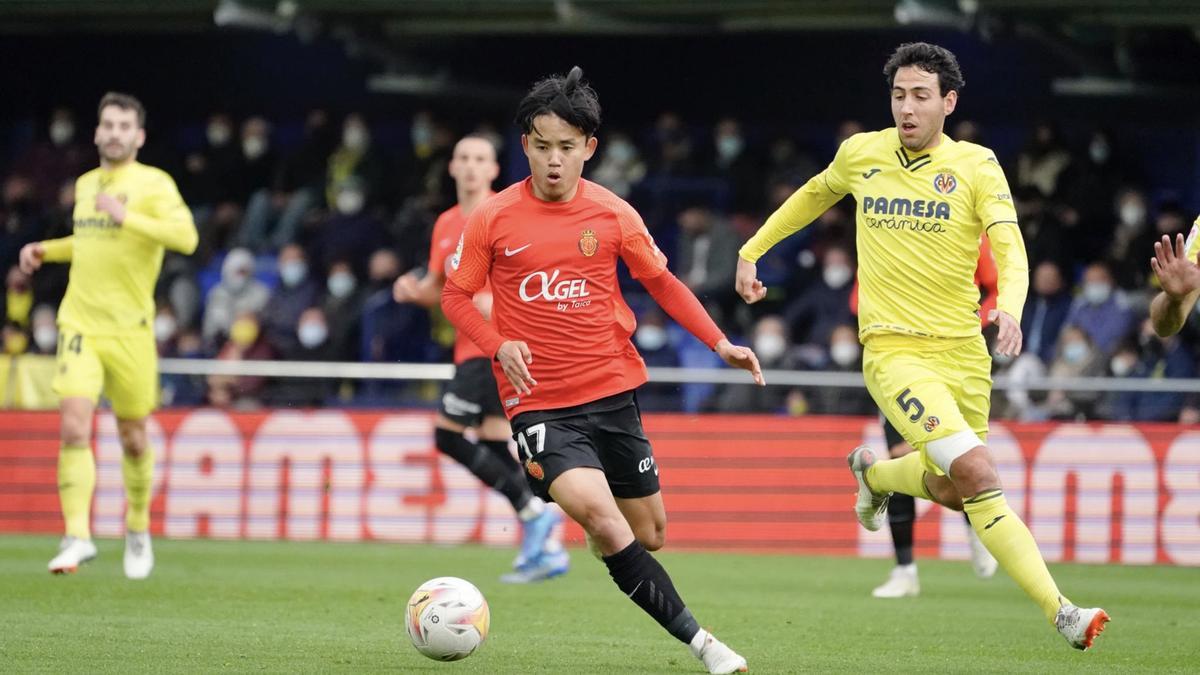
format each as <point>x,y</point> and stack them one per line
<point>553,271</point>
<point>447,232</point>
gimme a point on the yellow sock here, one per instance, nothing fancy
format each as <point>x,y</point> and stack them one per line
<point>76,483</point>
<point>905,475</point>
<point>139,477</point>
<point>1009,541</point>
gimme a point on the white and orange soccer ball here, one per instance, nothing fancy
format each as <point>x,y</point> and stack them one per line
<point>447,618</point>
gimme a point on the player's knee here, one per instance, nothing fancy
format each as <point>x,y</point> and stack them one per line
<point>76,431</point>
<point>652,536</point>
<point>133,439</point>
<point>974,472</point>
<point>610,532</point>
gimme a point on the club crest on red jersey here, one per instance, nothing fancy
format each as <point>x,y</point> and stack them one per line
<point>588,244</point>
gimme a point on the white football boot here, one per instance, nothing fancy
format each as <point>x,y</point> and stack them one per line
<point>1080,626</point>
<point>72,552</point>
<point>981,559</point>
<point>139,555</point>
<point>870,507</point>
<point>716,656</point>
<point>901,583</point>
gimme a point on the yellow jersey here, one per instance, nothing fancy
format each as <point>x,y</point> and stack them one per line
<point>114,266</point>
<point>1192,245</point>
<point>920,219</point>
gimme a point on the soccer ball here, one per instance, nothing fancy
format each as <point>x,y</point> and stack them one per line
<point>447,618</point>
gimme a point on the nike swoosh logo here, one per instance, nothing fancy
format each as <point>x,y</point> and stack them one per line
<point>994,521</point>
<point>870,173</point>
<point>511,252</point>
<point>635,588</point>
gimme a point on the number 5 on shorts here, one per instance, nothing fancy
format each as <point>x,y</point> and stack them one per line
<point>909,403</point>
<point>537,432</point>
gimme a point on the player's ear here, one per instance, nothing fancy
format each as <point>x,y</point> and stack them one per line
<point>950,101</point>
<point>525,143</point>
<point>141,139</point>
<point>590,147</point>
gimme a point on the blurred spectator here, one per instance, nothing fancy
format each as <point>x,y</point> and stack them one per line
<point>653,342</point>
<point>845,356</point>
<point>44,329</point>
<point>15,339</point>
<point>1043,160</point>
<point>771,346</point>
<point>182,390</point>
<point>1127,257</point>
<point>1077,357</point>
<point>673,146</point>
<point>18,297</point>
<point>1045,311</point>
<point>274,216</point>
<point>1044,235</point>
<point>62,157</point>
<point>177,284</point>
<point>209,184</point>
<point>20,218</point>
<point>1131,230</point>
<point>166,330</point>
<point>848,128</point>
<point>1100,311</point>
<point>343,308</point>
<point>356,158</point>
<point>351,231</point>
<point>246,343</point>
<point>296,293</point>
<point>426,177</point>
<point>825,303</point>
<point>734,162</point>
<point>967,131</point>
<point>1161,359</point>
<point>707,258</point>
<point>258,162</point>
<point>310,343</point>
<point>1090,182</point>
<point>620,166</point>
<point>392,331</point>
<point>786,164</point>
<point>237,293</point>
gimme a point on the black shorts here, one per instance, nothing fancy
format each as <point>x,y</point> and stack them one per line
<point>471,394</point>
<point>889,432</point>
<point>605,434</point>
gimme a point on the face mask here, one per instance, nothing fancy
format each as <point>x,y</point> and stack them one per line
<point>769,346</point>
<point>312,334</point>
<point>341,284</point>
<point>61,132</point>
<point>1075,352</point>
<point>844,353</point>
<point>354,138</point>
<point>729,147</point>
<point>349,202</point>
<point>293,272</point>
<point>620,152</point>
<point>254,147</point>
<point>237,282</point>
<point>1121,367</point>
<point>651,338</point>
<point>836,276</point>
<point>218,134</point>
<point>1098,151</point>
<point>243,332</point>
<point>1002,359</point>
<point>1096,293</point>
<point>1132,214</point>
<point>15,343</point>
<point>164,327</point>
<point>45,338</point>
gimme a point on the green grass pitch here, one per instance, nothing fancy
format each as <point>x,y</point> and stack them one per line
<point>214,606</point>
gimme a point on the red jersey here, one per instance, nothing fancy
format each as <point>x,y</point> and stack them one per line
<point>446,232</point>
<point>553,271</point>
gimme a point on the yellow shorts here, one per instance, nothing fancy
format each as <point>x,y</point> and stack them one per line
<point>124,367</point>
<point>932,390</point>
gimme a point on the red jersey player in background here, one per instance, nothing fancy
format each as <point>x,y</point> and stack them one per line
<point>471,399</point>
<point>560,338</point>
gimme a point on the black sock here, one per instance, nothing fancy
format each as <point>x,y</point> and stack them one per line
<point>639,576</point>
<point>500,451</point>
<point>481,461</point>
<point>902,511</point>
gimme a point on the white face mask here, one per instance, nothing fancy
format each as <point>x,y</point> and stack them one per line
<point>1120,366</point>
<point>1133,214</point>
<point>354,138</point>
<point>61,132</point>
<point>1075,352</point>
<point>1098,151</point>
<point>292,272</point>
<point>349,202</point>
<point>729,147</point>
<point>1096,293</point>
<point>836,276</point>
<point>651,338</point>
<point>164,327</point>
<point>844,353</point>
<point>341,284</point>
<point>254,147</point>
<point>237,282</point>
<point>45,337</point>
<point>769,346</point>
<point>312,334</point>
<point>621,152</point>
<point>218,134</point>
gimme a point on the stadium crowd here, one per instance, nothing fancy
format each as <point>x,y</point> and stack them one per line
<point>304,229</point>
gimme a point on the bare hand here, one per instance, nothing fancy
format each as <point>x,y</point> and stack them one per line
<point>747,284</point>
<point>109,204</point>
<point>1177,275</point>
<point>1008,340</point>
<point>31,257</point>
<point>405,288</point>
<point>514,357</point>
<point>741,357</point>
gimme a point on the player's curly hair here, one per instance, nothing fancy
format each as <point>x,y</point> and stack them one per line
<point>567,96</point>
<point>929,58</point>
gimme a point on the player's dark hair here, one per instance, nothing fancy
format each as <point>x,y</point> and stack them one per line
<point>124,102</point>
<point>569,97</point>
<point>929,58</point>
